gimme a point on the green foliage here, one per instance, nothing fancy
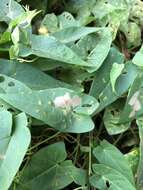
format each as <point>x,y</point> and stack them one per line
<point>70,77</point>
<point>112,167</point>
<point>54,172</point>
<point>14,136</point>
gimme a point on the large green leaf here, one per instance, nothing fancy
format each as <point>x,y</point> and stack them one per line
<point>102,76</point>
<point>29,75</point>
<point>110,156</point>
<point>13,146</point>
<point>101,87</point>
<point>54,47</point>
<point>115,179</point>
<point>50,47</point>
<point>49,170</point>
<point>42,105</point>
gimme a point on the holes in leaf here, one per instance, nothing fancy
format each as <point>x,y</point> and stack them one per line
<point>11,110</point>
<point>117,110</point>
<point>76,41</point>
<point>112,112</point>
<point>10,84</point>
<point>124,72</point>
<point>7,4</point>
<point>2,79</point>
<point>99,100</point>
<point>107,184</point>
<point>67,16</point>
<point>86,105</point>
<point>88,52</point>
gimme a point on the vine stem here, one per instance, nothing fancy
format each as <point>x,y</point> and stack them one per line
<point>90,156</point>
<point>38,144</point>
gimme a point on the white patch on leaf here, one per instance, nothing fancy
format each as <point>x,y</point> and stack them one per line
<point>2,157</point>
<point>135,104</point>
<point>66,101</point>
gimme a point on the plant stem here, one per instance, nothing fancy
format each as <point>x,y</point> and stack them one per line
<point>38,144</point>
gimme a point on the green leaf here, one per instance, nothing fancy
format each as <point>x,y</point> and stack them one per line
<point>102,76</point>
<point>133,34</point>
<point>140,164</point>
<point>133,107</point>
<point>15,141</point>
<point>52,47</point>
<point>110,156</point>
<point>101,86</point>
<point>114,13</point>
<point>133,159</point>
<point>6,124</point>
<point>116,179</point>
<point>116,71</point>
<point>32,77</point>
<point>41,105</point>
<point>137,59</point>
<point>111,119</point>
<point>54,172</point>
<point>10,10</point>
<point>50,22</point>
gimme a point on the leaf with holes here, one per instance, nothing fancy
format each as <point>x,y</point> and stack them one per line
<point>110,156</point>
<point>10,10</point>
<point>30,76</point>
<point>52,48</point>
<point>111,176</point>
<point>61,108</point>
<point>104,92</point>
<point>111,119</point>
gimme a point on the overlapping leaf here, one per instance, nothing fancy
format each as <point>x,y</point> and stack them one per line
<point>14,141</point>
<point>113,168</point>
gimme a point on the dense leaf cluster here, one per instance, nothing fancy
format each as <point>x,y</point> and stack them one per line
<point>71,95</point>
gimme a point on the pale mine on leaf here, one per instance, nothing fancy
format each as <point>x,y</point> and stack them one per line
<point>135,104</point>
<point>2,157</point>
<point>66,101</point>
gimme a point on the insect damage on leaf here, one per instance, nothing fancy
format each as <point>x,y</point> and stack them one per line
<point>2,157</point>
<point>66,101</point>
<point>135,104</point>
<point>43,30</point>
